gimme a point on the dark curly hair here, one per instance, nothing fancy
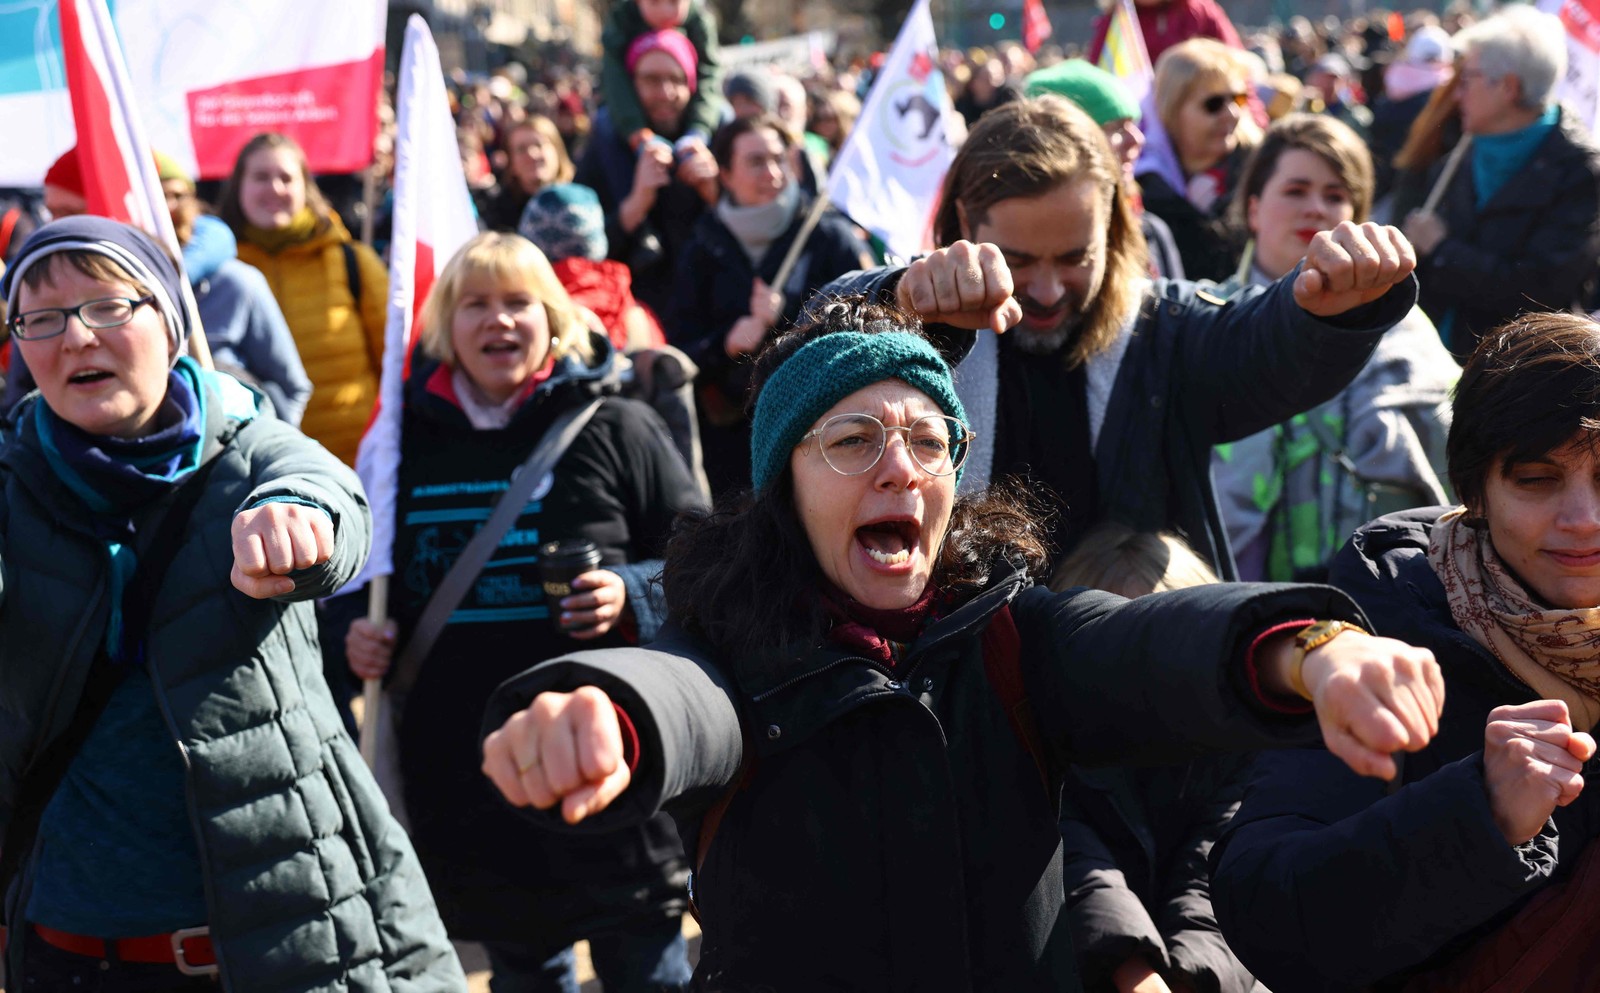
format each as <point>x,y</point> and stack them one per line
<point>744,576</point>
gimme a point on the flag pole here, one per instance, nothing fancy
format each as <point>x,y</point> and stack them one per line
<point>369,201</point>
<point>792,258</point>
<point>199,348</point>
<point>372,689</point>
<point>1446,174</point>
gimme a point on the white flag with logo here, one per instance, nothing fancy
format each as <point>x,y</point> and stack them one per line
<point>887,176</point>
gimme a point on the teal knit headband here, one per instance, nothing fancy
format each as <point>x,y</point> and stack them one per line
<point>828,369</point>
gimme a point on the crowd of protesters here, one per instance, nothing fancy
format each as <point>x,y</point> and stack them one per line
<point>1313,312</point>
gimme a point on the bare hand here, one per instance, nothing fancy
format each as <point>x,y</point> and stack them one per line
<point>275,539</point>
<point>1373,697</point>
<point>1532,764</point>
<point>964,285</point>
<point>744,337</point>
<point>697,167</point>
<point>370,647</point>
<point>1426,231</point>
<point>597,608</point>
<point>766,303</point>
<point>1351,266</point>
<point>653,168</point>
<point>1135,975</point>
<point>564,748</point>
<point>651,172</point>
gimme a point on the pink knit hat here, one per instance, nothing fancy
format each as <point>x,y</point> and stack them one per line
<point>674,43</point>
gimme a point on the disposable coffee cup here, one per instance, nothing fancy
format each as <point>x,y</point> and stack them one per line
<point>560,562</point>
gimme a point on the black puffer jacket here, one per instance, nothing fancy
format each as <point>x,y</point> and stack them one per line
<point>1325,882</point>
<point>1137,841</point>
<point>1531,247</point>
<point>893,834</point>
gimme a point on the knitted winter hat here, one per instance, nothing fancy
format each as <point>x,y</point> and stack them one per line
<point>1100,94</point>
<point>566,221</point>
<point>65,174</point>
<point>674,43</point>
<point>131,249</point>
<point>760,87</point>
<point>167,168</point>
<point>827,369</point>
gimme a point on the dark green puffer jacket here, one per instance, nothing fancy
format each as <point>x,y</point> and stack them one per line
<point>310,883</point>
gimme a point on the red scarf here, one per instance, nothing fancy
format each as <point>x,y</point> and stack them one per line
<point>876,634</point>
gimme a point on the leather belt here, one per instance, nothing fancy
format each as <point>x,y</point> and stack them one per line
<point>189,949</point>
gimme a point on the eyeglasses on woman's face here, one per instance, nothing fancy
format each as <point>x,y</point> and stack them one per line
<point>852,444</point>
<point>47,322</point>
<point>1214,103</point>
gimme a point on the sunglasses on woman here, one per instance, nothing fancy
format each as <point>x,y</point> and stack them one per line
<point>1214,103</point>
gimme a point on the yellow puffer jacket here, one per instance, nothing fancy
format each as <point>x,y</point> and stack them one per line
<point>341,348</point>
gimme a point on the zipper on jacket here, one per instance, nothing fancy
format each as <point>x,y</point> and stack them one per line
<point>892,675</point>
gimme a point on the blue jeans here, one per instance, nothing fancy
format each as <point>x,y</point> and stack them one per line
<point>647,956</point>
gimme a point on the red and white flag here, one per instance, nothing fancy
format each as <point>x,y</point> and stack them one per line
<point>208,75</point>
<point>119,171</point>
<point>1035,25</point>
<point>1579,87</point>
<point>433,217</point>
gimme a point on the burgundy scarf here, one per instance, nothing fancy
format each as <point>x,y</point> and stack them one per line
<point>875,634</point>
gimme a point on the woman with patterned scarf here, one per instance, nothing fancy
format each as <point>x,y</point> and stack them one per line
<point>1505,591</point>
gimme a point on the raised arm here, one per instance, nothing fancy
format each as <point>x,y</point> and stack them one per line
<point>611,737</point>
<point>305,529</point>
<point>1265,356</point>
<point>1170,675</point>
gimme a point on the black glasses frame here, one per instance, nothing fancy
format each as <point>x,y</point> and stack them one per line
<point>15,324</point>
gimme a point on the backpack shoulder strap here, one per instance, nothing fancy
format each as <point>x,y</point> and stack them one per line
<point>1002,664</point>
<point>558,437</point>
<point>352,271</point>
<point>711,820</point>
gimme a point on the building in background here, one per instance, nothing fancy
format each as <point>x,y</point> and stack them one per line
<point>478,35</point>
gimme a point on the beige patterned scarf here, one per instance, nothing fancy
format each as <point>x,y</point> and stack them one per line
<point>1556,652</point>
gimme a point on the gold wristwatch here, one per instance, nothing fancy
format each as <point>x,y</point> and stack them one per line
<point>1311,637</point>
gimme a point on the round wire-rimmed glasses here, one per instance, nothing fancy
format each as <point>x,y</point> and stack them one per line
<point>852,444</point>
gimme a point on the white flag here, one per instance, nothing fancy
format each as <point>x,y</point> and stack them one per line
<point>433,217</point>
<point>887,176</point>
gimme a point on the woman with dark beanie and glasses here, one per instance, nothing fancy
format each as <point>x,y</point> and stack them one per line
<point>862,718</point>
